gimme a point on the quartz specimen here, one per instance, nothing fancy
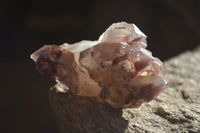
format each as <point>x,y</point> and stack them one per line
<point>116,69</point>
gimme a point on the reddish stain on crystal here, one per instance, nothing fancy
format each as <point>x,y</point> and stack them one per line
<point>116,69</point>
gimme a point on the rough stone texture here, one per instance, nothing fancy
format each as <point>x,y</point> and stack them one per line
<point>177,109</point>
<point>78,114</point>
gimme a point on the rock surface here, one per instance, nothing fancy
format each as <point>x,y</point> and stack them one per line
<point>176,109</point>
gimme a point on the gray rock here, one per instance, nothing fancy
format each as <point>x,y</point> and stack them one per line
<point>176,109</point>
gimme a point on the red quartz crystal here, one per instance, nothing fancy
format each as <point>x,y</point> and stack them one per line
<point>116,69</point>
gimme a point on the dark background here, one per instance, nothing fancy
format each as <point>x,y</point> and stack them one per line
<point>26,25</point>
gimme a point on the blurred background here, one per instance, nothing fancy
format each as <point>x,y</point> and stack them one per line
<point>172,26</point>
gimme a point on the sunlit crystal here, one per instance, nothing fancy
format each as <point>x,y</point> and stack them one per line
<point>117,69</point>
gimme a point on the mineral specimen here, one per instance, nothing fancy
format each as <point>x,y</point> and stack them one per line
<point>116,69</point>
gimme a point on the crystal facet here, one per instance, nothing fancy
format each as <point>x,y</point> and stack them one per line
<point>116,69</point>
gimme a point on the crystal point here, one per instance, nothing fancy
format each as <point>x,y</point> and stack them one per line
<point>117,69</point>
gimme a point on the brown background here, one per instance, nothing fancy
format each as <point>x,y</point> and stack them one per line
<point>172,26</point>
